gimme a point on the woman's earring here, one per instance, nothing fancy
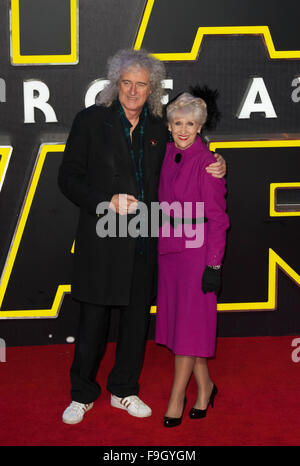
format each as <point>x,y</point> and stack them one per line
<point>170,137</point>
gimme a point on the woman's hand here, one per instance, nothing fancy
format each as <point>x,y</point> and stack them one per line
<point>211,280</point>
<point>217,169</point>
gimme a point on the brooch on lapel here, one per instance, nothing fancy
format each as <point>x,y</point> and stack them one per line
<point>153,142</point>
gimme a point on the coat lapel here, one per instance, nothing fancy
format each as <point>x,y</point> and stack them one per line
<point>121,157</point>
<point>150,149</point>
<point>121,160</point>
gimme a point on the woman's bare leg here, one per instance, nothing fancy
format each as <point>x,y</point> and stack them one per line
<point>204,383</point>
<point>182,373</point>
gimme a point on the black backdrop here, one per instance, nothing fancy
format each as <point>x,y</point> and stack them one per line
<point>37,223</point>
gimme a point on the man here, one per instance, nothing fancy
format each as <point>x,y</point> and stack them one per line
<point>114,154</point>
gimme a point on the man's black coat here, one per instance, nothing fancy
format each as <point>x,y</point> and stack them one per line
<point>97,165</point>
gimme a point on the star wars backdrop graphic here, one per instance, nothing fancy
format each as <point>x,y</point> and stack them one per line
<point>53,59</point>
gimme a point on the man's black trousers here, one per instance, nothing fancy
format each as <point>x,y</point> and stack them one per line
<point>91,342</point>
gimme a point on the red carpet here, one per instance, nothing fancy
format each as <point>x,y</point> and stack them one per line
<point>257,403</point>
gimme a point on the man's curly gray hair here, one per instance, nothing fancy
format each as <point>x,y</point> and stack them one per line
<point>127,59</point>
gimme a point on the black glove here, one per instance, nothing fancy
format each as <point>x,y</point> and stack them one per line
<point>211,280</point>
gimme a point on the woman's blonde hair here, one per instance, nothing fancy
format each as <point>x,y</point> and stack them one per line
<point>187,103</point>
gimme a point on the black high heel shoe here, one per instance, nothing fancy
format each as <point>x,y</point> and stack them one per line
<point>201,413</point>
<point>174,421</point>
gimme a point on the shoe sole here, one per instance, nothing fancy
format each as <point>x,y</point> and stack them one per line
<point>71,422</point>
<point>117,405</point>
<point>65,421</point>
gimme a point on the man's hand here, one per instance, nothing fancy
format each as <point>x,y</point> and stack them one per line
<point>217,169</point>
<point>123,204</point>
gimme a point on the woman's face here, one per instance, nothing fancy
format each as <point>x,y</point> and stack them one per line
<point>184,129</point>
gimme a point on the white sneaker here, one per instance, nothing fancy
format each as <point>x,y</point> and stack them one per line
<point>132,404</point>
<point>75,412</point>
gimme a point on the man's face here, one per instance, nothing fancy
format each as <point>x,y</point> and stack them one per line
<point>134,90</point>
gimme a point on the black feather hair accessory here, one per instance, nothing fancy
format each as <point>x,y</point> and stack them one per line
<point>210,98</point>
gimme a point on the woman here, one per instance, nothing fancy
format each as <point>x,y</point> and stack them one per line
<point>189,277</point>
